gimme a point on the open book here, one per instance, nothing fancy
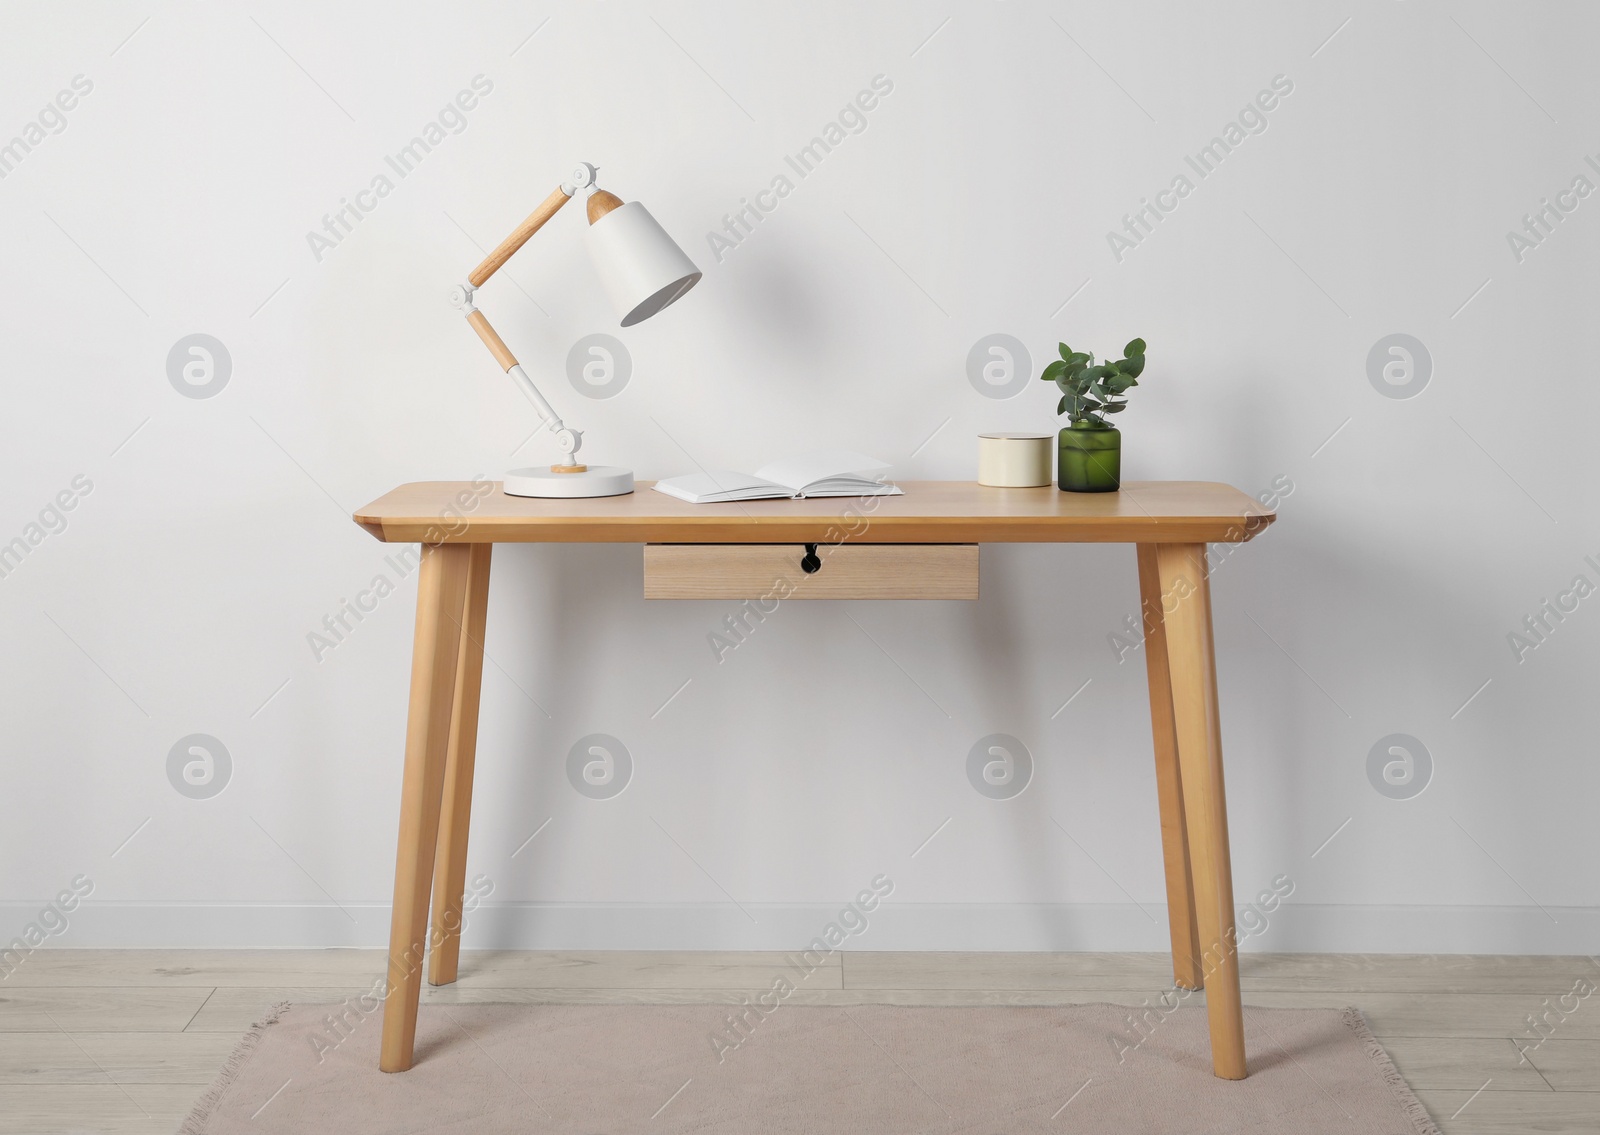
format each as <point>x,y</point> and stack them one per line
<point>823,473</point>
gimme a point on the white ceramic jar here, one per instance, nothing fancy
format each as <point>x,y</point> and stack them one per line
<point>1014,460</point>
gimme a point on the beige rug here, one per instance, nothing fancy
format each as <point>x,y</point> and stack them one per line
<point>864,1070</point>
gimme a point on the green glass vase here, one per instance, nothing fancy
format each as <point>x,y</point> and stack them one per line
<point>1089,460</point>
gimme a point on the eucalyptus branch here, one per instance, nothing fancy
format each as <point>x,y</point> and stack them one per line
<point>1089,392</point>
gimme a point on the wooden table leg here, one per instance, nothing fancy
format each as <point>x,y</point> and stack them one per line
<point>455,813</point>
<point>441,594</point>
<point>1186,970</point>
<point>1186,596</point>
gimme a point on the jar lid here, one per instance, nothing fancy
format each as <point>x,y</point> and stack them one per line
<point>1017,436</point>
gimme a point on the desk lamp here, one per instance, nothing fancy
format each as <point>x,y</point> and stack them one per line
<point>641,269</point>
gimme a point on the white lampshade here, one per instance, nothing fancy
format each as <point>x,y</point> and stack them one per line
<point>641,268</point>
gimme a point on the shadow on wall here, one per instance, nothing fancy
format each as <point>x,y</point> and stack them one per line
<point>775,303</point>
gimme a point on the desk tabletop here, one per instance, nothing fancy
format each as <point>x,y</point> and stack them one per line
<point>929,512</point>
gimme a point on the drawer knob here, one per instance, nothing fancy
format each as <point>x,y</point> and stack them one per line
<point>809,563</point>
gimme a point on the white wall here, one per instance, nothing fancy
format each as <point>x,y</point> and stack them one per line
<point>1420,531</point>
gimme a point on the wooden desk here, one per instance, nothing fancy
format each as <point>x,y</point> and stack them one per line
<point>1170,522</point>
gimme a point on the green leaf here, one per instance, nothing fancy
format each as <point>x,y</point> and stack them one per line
<point>1078,358</point>
<point>1051,371</point>
<point>1061,406</point>
<point>1117,383</point>
<point>1132,366</point>
<point>1116,408</point>
<point>1066,351</point>
<point>1136,347</point>
<point>1093,405</point>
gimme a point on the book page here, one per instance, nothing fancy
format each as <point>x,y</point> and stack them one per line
<point>695,487</point>
<point>852,486</point>
<point>818,465</point>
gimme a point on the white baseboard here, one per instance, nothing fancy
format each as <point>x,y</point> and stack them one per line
<point>1294,928</point>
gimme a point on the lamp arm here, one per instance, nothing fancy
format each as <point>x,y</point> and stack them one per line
<point>569,440</point>
<point>519,235</point>
<point>508,362</point>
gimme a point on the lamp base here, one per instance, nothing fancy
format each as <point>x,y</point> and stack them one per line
<point>595,481</point>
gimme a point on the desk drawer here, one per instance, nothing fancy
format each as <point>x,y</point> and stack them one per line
<point>846,571</point>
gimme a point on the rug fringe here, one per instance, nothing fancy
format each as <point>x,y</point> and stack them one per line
<point>195,1122</point>
<point>1420,1119</point>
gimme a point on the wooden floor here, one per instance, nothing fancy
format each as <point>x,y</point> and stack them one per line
<point>124,1040</point>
